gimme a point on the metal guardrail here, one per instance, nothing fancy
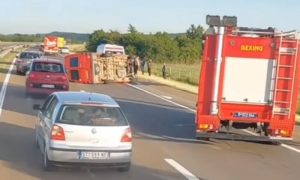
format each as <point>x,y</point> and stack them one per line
<point>5,50</point>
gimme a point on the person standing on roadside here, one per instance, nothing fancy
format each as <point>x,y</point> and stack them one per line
<point>128,65</point>
<point>149,66</point>
<point>136,65</point>
<point>143,62</point>
<point>164,71</point>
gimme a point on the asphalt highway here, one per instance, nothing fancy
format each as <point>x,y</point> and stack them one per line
<point>162,119</point>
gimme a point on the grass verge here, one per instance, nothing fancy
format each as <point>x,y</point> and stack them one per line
<point>6,61</point>
<point>77,48</point>
<point>179,72</point>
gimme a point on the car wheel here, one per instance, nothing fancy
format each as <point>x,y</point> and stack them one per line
<point>48,166</point>
<point>125,168</point>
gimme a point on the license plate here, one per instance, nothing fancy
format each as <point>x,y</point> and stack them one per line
<point>47,86</point>
<point>93,155</point>
<point>245,115</point>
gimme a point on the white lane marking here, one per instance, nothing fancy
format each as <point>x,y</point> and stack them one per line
<point>245,130</point>
<point>4,86</point>
<point>282,144</point>
<point>150,136</point>
<point>290,148</point>
<point>183,125</point>
<point>167,97</point>
<point>181,169</point>
<point>250,132</point>
<point>172,102</point>
<point>181,139</point>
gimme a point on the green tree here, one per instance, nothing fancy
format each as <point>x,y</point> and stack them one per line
<point>132,29</point>
<point>96,38</point>
<point>189,49</point>
<point>195,32</point>
<point>161,47</point>
<point>131,50</point>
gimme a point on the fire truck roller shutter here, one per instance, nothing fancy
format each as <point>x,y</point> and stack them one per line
<point>248,80</point>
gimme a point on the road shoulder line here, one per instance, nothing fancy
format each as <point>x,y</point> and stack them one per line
<point>5,83</point>
<point>181,169</point>
<point>160,97</point>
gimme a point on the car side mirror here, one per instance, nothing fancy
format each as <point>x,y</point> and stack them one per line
<point>36,107</point>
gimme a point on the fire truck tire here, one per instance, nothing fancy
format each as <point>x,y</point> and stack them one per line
<point>203,138</point>
<point>275,143</point>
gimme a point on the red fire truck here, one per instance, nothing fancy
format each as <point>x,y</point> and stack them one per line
<point>249,79</point>
<point>53,44</point>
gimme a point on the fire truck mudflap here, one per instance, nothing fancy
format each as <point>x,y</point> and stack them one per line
<point>249,79</point>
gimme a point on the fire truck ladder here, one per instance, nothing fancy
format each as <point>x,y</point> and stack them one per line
<point>282,106</point>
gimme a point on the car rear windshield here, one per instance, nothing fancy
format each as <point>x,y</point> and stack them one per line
<point>47,67</point>
<point>92,116</point>
<point>28,55</point>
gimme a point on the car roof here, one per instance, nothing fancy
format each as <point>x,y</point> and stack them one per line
<point>45,59</point>
<point>76,97</point>
<point>36,52</point>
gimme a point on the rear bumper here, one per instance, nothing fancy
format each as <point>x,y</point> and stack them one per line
<point>241,137</point>
<point>42,91</point>
<point>21,68</point>
<point>65,156</point>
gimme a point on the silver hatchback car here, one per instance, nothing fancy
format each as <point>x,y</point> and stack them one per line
<point>81,128</point>
<point>24,59</point>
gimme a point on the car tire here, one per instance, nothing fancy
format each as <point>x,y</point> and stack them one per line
<point>47,164</point>
<point>125,168</point>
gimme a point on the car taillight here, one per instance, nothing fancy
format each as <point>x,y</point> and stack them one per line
<point>57,133</point>
<point>127,137</point>
<point>31,76</point>
<point>64,78</point>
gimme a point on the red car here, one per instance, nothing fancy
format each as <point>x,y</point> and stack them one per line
<point>46,76</point>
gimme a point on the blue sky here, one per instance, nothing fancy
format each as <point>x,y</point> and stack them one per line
<point>85,16</point>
